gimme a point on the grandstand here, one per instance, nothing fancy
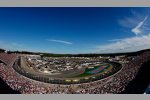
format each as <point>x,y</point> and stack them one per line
<point>114,81</point>
<point>8,59</point>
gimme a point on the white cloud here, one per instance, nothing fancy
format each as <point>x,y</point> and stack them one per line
<point>137,30</point>
<point>128,22</point>
<point>135,43</point>
<point>61,41</point>
<point>137,23</point>
<point>126,45</point>
<point>129,44</point>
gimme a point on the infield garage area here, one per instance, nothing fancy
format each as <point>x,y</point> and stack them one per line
<point>83,75</point>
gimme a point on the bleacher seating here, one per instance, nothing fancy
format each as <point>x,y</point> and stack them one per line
<point>8,59</point>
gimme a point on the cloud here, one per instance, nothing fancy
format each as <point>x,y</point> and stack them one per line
<point>137,30</point>
<point>126,45</point>
<point>128,22</point>
<point>137,23</point>
<point>61,41</point>
<point>135,43</point>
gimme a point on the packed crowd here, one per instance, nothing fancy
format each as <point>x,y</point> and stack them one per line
<point>119,80</point>
<point>112,84</point>
<point>7,59</point>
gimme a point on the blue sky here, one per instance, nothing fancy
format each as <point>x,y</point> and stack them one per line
<point>75,30</point>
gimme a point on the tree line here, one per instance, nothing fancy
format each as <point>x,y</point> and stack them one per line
<point>76,55</point>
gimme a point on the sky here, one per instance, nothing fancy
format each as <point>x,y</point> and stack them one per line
<point>75,30</point>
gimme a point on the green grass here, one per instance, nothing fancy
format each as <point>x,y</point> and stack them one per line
<point>85,74</point>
